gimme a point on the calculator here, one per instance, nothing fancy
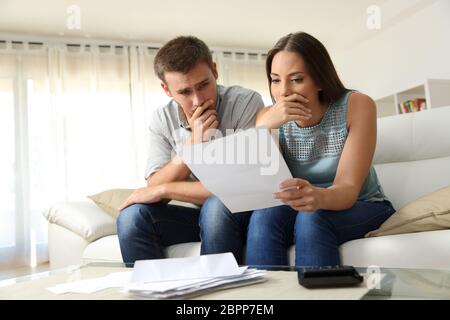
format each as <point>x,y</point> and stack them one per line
<point>328,276</point>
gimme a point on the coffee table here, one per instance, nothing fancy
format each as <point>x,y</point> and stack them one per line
<point>281,284</point>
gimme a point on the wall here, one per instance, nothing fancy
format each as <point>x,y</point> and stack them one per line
<point>401,54</point>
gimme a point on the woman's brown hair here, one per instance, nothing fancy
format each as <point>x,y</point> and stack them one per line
<point>317,61</point>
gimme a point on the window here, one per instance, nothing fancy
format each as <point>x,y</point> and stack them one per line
<point>7,166</point>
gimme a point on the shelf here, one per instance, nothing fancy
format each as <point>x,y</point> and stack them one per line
<point>436,92</point>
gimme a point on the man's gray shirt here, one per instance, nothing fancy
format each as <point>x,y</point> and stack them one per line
<point>168,129</point>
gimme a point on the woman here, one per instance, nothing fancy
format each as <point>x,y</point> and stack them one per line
<point>327,135</point>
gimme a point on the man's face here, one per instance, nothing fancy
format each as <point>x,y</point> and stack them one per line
<point>193,88</point>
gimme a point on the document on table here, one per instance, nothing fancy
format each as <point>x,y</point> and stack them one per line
<point>243,169</point>
<point>206,266</point>
<point>171,278</point>
<point>182,277</point>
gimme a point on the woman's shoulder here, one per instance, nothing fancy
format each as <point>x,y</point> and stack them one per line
<point>357,97</point>
<point>360,106</point>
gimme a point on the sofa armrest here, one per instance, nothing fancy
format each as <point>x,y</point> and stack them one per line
<point>83,218</point>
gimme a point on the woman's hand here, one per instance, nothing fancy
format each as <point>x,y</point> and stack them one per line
<point>300,195</point>
<point>290,108</point>
<point>144,195</point>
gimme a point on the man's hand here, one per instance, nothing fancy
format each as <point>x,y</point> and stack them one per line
<point>203,122</point>
<point>144,195</point>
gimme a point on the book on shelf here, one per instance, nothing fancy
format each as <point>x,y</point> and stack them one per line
<point>413,105</point>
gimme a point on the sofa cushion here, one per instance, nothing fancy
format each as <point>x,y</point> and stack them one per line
<point>106,249</point>
<point>82,218</point>
<point>409,250</point>
<point>110,200</point>
<point>182,250</point>
<point>428,213</point>
<point>430,251</point>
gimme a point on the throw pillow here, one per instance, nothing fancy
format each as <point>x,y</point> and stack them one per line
<point>110,200</point>
<point>428,213</point>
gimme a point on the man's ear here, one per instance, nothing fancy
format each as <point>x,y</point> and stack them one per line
<point>166,89</point>
<point>214,70</point>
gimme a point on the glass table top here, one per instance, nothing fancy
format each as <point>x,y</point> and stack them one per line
<point>396,283</point>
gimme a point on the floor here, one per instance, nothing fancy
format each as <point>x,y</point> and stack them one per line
<point>23,271</point>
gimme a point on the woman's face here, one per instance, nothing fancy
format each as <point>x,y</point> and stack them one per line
<point>289,75</point>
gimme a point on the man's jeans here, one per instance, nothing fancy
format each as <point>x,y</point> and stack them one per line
<point>145,229</point>
<point>268,233</point>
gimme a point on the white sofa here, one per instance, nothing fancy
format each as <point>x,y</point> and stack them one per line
<point>412,159</point>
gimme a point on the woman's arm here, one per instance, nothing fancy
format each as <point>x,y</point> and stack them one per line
<point>357,156</point>
<point>353,167</point>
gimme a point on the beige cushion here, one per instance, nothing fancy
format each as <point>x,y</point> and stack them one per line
<point>110,200</point>
<point>428,213</point>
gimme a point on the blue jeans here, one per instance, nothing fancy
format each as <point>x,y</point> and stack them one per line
<point>223,231</point>
<point>268,233</point>
<point>145,229</point>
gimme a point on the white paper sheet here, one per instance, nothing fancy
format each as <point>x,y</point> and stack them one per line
<point>206,266</point>
<point>181,285</point>
<point>112,280</point>
<point>242,169</point>
<point>161,290</point>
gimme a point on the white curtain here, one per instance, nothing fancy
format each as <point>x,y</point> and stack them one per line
<point>73,122</point>
<point>243,68</point>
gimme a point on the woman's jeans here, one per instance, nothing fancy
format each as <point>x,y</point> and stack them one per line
<point>268,233</point>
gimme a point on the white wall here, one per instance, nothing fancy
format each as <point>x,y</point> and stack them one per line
<point>400,55</point>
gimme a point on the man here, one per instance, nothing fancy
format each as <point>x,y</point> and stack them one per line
<point>147,223</point>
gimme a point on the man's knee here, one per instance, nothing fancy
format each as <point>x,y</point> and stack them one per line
<point>307,224</point>
<point>133,216</point>
<point>265,222</point>
<point>273,216</point>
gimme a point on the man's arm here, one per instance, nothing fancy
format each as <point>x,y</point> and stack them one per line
<point>201,121</point>
<point>186,191</point>
<point>175,170</point>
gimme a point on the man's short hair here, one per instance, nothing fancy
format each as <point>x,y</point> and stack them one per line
<point>181,55</point>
